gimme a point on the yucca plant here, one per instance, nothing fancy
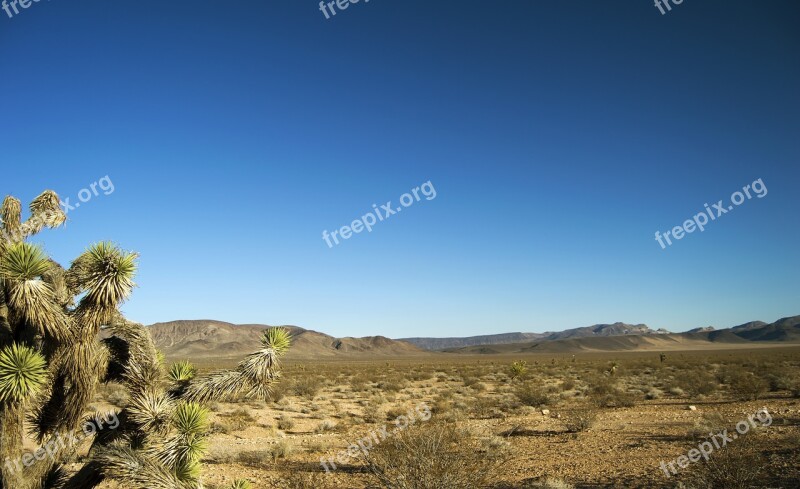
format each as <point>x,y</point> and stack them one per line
<point>62,334</point>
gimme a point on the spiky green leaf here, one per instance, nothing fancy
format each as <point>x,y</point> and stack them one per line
<point>182,371</point>
<point>23,261</point>
<point>278,339</point>
<point>22,372</point>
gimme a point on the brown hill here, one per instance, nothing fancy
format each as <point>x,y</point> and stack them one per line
<point>208,339</point>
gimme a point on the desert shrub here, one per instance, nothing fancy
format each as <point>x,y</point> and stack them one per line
<point>419,375</point>
<point>254,458</point>
<point>279,390</point>
<point>710,422</point>
<point>568,384</point>
<point>653,393</point>
<point>359,383</point>
<point>236,421</point>
<point>697,383</point>
<point>394,412</point>
<point>745,385</point>
<point>281,450</point>
<point>531,394</point>
<point>372,413</point>
<point>739,465</point>
<point>392,384</point>
<point>325,426</point>
<point>605,393</point>
<point>577,420</point>
<point>794,387</point>
<point>431,456</point>
<point>307,386</point>
<point>285,423</point>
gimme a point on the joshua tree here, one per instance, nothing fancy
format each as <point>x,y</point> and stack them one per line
<point>518,369</point>
<point>62,334</point>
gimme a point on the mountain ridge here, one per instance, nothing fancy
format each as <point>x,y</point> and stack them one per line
<point>212,339</point>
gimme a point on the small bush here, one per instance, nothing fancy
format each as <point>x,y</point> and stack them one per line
<point>285,423</point>
<point>325,426</point>
<point>530,394</point>
<point>578,420</point>
<point>431,456</point>
<point>307,387</point>
<point>745,385</point>
<point>605,393</point>
<point>254,458</point>
<point>737,466</point>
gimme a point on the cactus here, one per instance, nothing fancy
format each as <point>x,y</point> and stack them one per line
<point>62,334</point>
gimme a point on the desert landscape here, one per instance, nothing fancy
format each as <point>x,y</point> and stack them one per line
<point>584,408</point>
<point>373,244</point>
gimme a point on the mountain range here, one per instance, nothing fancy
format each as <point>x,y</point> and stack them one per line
<point>209,339</point>
<point>598,330</point>
<point>221,340</point>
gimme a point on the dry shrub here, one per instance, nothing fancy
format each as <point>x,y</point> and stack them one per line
<point>745,385</point>
<point>432,456</point>
<point>738,465</point>
<point>307,386</point>
<point>532,394</point>
<point>697,383</point>
<point>285,423</point>
<point>605,393</point>
<point>236,421</point>
<point>254,458</point>
<point>577,420</point>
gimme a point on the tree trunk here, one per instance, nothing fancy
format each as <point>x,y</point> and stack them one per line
<point>11,426</point>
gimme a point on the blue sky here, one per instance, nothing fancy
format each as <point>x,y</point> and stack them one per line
<point>559,136</point>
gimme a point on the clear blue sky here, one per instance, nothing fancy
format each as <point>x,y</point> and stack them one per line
<point>559,137</point>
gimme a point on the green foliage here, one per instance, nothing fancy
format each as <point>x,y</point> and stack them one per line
<point>277,339</point>
<point>517,369</point>
<point>240,484</point>
<point>182,371</point>
<point>22,373</point>
<point>23,261</point>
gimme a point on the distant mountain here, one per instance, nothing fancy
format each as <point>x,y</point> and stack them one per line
<point>598,330</point>
<point>217,340</point>
<point>492,339</point>
<point>786,330</point>
<point>749,326</point>
<point>207,339</point>
<point>705,329</point>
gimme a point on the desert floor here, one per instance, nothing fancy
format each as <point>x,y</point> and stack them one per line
<point>558,421</point>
